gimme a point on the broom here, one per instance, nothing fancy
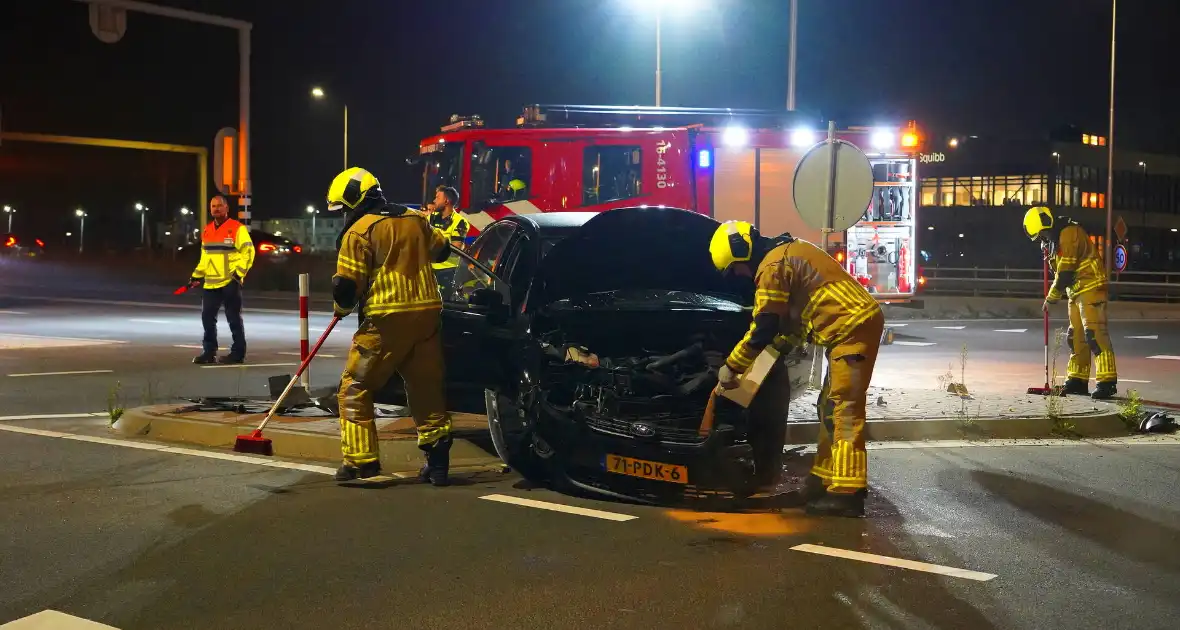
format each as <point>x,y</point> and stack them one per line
<point>254,442</point>
<point>1047,389</point>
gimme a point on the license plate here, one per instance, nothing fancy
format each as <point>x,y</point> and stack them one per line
<point>643,469</point>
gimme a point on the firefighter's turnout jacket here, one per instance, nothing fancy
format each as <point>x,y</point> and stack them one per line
<point>1078,273</point>
<point>389,259</point>
<point>226,251</point>
<point>803,293</point>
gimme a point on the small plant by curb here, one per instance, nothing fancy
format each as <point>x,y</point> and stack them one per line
<point>115,403</point>
<point>1055,401</point>
<point>1131,410</point>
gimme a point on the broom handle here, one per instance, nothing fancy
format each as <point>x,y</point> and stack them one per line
<point>294,379</point>
<point>1046,276</point>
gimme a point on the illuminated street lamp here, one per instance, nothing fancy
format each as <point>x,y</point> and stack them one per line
<point>658,7</point>
<point>9,210</point>
<point>312,211</point>
<point>318,93</point>
<point>142,210</point>
<point>81,214</point>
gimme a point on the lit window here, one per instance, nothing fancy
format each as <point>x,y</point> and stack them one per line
<point>1101,141</point>
<point>1085,138</point>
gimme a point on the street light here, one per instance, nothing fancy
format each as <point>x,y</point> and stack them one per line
<point>1114,4</point>
<point>9,210</point>
<point>81,214</point>
<point>142,209</point>
<point>318,93</point>
<point>312,211</point>
<point>658,6</point>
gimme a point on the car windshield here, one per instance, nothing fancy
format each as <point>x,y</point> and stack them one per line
<point>444,167</point>
<point>642,299</point>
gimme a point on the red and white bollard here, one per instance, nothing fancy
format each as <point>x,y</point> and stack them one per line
<point>304,345</point>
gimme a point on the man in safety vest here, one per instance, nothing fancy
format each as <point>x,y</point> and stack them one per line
<point>800,292</point>
<point>227,254</point>
<point>384,268</point>
<point>1078,273</point>
<point>445,216</point>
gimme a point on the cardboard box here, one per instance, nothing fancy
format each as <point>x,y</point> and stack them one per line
<point>753,378</point>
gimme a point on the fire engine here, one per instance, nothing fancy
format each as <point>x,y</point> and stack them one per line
<point>724,163</point>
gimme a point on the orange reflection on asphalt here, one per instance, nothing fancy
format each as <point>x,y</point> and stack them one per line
<point>746,523</point>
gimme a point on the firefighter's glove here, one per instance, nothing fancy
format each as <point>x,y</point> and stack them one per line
<point>195,282</point>
<point>727,378</point>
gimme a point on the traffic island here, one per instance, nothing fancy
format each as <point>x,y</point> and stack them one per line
<point>914,415</point>
<point>311,436</point>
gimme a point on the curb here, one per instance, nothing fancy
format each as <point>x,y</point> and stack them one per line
<point>470,448</point>
<point>1086,426</point>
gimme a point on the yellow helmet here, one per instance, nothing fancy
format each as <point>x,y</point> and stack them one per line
<point>351,187</point>
<point>732,242</point>
<point>1036,220</point>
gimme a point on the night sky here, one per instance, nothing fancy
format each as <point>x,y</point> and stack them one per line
<point>964,66</point>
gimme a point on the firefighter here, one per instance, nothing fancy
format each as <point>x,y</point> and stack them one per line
<point>800,292</point>
<point>384,269</point>
<point>1078,274</point>
<point>445,216</point>
<point>227,254</point>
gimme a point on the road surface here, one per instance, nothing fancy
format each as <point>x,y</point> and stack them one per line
<point>1070,536</point>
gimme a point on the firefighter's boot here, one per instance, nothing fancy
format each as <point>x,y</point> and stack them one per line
<point>438,462</point>
<point>839,504</point>
<point>348,472</point>
<point>1105,390</point>
<point>205,358</point>
<point>1076,387</point>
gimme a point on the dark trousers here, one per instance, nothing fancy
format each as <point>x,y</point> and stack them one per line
<point>231,297</point>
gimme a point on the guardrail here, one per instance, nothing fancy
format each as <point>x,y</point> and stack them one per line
<point>1140,286</point>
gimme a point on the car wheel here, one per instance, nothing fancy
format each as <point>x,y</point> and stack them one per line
<point>512,437</point>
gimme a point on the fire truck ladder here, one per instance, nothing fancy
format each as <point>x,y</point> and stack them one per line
<point>608,116</point>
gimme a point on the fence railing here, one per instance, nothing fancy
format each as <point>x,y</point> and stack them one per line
<point>1142,286</point>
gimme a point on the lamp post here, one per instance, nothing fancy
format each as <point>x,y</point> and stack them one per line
<point>312,211</point>
<point>142,210</point>
<point>81,214</point>
<point>9,210</point>
<point>318,93</point>
<point>1114,4</point>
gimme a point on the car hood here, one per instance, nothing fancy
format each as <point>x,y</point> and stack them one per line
<point>637,248</point>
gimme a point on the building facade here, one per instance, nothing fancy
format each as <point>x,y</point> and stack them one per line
<point>317,238</point>
<point>974,192</point>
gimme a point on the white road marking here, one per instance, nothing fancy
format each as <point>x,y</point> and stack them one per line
<point>70,373</point>
<point>150,321</point>
<point>53,416</point>
<point>913,565</point>
<point>161,448</point>
<point>193,347</point>
<point>914,343</point>
<point>891,325</point>
<point>558,507</point>
<point>14,341</point>
<point>191,307</point>
<point>1165,356</point>
<point>950,327</point>
<point>1013,330</point>
<point>54,620</point>
<point>1126,380</point>
<point>1143,336</point>
<point>247,365</point>
<point>325,356</point>
<point>1135,440</point>
<point>13,313</point>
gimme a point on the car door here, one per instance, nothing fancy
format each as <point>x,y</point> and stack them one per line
<point>474,333</point>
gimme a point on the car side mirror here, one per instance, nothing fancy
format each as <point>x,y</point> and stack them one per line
<point>486,298</point>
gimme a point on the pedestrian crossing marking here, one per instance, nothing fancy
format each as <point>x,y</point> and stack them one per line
<point>54,620</point>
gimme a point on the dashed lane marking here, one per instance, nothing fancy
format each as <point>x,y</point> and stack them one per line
<point>1135,440</point>
<point>13,313</point>
<point>150,321</point>
<point>950,327</point>
<point>1012,330</point>
<point>901,563</point>
<point>69,373</point>
<point>892,325</point>
<point>14,341</point>
<point>1165,356</point>
<point>318,356</point>
<point>558,507</point>
<point>1128,380</point>
<point>1153,337</point>
<point>246,365</point>
<point>193,347</point>
<point>914,343</point>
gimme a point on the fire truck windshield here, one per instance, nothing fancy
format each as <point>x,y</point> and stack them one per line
<point>444,167</point>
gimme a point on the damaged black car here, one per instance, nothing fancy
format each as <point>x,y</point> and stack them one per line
<point>592,342</point>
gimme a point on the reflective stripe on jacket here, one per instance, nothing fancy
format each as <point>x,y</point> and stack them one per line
<point>1078,257</point>
<point>389,258</point>
<point>455,228</point>
<point>811,295</point>
<point>226,251</point>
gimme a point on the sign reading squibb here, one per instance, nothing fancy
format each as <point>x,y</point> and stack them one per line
<point>931,158</point>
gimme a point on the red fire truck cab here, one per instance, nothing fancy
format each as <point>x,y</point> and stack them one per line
<point>725,163</point>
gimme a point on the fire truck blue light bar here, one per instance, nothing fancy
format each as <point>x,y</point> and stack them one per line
<point>704,159</point>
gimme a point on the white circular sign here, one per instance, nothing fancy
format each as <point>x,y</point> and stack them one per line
<point>853,189</point>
